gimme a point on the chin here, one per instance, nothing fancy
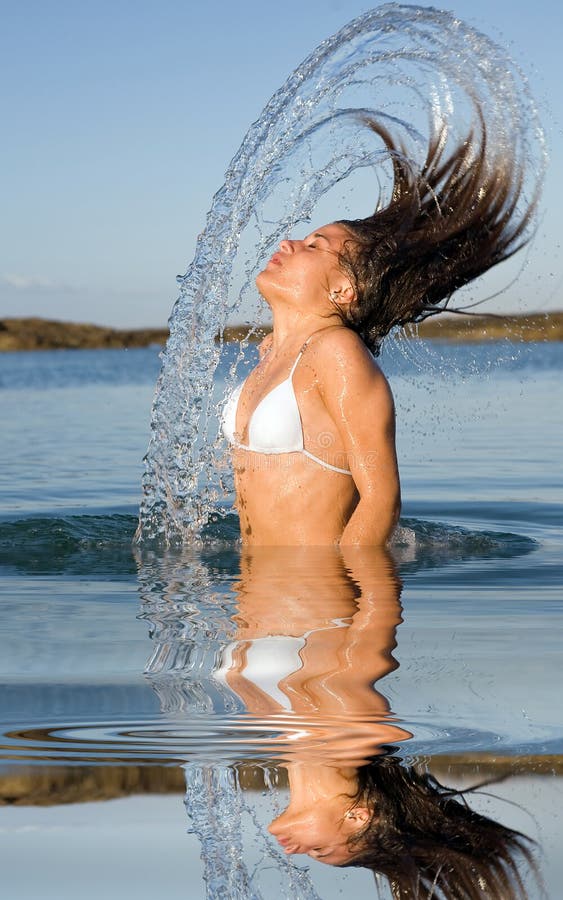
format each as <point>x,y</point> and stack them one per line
<point>263,282</point>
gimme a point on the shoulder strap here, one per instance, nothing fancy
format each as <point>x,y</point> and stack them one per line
<point>299,355</point>
<point>304,346</point>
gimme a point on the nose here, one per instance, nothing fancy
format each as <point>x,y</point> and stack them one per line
<point>286,246</point>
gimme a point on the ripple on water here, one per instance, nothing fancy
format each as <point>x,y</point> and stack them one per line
<point>161,740</point>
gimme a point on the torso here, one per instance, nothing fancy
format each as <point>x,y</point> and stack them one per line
<point>289,498</point>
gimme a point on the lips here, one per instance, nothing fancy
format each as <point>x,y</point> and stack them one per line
<point>276,259</point>
<point>287,844</point>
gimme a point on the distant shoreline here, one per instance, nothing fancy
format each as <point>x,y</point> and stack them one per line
<point>57,785</point>
<point>48,334</point>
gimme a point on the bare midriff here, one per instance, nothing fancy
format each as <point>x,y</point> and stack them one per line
<point>287,499</point>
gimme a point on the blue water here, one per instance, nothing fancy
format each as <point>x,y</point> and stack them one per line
<point>110,657</point>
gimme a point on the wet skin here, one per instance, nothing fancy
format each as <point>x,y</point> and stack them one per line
<point>345,405</point>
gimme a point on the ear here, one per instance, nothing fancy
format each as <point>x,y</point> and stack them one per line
<point>347,294</point>
<point>357,818</point>
<point>343,293</point>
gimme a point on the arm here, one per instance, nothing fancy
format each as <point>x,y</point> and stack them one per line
<point>359,400</point>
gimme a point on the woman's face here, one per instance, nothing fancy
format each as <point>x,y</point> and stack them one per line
<point>321,831</point>
<point>307,270</point>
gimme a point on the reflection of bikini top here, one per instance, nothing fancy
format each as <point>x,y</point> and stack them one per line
<point>275,425</point>
<point>268,661</point>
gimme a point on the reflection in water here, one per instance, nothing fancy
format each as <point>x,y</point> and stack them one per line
<point>239,860</point>
<point>295,647</point>
<point>428,842</point>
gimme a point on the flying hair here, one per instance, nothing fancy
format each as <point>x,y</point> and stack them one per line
<point>446,223</point>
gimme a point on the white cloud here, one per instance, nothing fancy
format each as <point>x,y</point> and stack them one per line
<point>33,283</point>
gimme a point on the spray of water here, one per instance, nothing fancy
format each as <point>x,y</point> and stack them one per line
<point>410,67</point>
<point>222,817</point>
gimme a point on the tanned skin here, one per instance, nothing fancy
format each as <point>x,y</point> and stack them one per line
<point>346,410</point>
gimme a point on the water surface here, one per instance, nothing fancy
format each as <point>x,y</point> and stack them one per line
<point>119,667</point>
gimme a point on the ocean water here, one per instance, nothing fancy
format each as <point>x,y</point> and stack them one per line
<point>138,758</point>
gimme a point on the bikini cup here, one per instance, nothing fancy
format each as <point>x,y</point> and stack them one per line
<point>275,425</point>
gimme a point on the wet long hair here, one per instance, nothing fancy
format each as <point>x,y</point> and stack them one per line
<point>428,842</point>
<point>445,224</point>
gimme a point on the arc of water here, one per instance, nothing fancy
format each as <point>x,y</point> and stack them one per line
<point>390,47</point>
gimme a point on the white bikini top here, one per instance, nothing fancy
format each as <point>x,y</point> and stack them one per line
<point>275,425</point>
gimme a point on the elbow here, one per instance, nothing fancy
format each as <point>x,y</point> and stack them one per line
<point>390,514</point>
<point>392,520</point>
<point>396,514</point>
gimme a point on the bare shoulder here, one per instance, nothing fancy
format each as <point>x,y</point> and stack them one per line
<point>341,359</point>
<point>343,347</point>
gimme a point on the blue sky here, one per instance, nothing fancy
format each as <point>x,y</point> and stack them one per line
<point>120,119</point>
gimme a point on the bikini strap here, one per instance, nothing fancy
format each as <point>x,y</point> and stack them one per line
<point>304,347</point>
<point>299,355</point>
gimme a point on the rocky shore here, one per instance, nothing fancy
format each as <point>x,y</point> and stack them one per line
<point>465,329</point>
<point>48,334</point>
<point>51,786</point>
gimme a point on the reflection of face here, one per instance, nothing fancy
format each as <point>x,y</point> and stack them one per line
<point>322,831</point>
<point>307,267</point>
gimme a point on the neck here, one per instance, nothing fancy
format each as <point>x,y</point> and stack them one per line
<point>318,780</point>
<point>295,326</point>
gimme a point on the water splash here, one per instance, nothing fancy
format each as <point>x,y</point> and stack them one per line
<point>222,817</point>
<point>409,66</point>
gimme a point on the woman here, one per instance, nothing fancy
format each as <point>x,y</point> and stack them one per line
<point>313,426</point>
